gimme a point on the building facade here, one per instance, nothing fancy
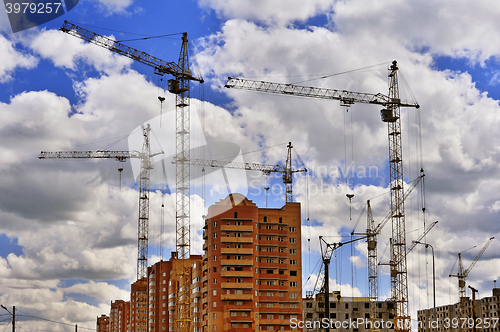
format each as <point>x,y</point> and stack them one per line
<point>102,323</point>
<point>347,313</point>
<point>119,316</point>
<point>252,268</point>
<point>449,317</point>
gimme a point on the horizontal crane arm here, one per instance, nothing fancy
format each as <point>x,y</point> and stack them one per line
<point>118,155</point>
<point>161,66</point>
<point>346,97</point>
<point>236,165</point>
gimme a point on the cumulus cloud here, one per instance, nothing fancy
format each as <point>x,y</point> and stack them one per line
<point>268,12</point>
<point>13,59</point>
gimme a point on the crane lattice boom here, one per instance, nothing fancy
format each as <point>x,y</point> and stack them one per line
<point>346,97</point>
<point>161,66</point>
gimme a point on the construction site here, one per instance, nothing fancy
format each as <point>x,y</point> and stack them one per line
<point>252,274</point>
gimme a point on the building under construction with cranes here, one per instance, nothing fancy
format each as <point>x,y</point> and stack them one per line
<point>451,317</point>
<point>249,277</point>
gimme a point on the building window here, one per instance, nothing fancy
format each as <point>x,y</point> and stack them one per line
<point>293,273</point>
<point>214,315</point>
<point>215,269</point>
<point>215,235</point>
<point>214,281</point>
<point>215,247</point>
<point>236,215</point>
<point>293,251</point>
<point>293,262</point>
<point>292,229</point>
<point>281,220</point>
<point>214,292</point>
<point>265,219</point>
<point>292,240</point>
<point>269,238</point>
<point>269,226</point>
<point>215,258</point>
<point>293,284</point>
<point>215,223</point>
<point>214,304</point>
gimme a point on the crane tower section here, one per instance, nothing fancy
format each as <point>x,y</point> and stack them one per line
<point>391,115</point>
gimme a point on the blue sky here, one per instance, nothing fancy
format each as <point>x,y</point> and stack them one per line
<point>67,232</point>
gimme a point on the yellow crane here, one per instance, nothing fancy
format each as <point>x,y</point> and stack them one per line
<point>180,86</point>
<point>391,115</point>
<point>462,274</point>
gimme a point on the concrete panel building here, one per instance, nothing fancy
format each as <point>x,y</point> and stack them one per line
<point>448,316</point>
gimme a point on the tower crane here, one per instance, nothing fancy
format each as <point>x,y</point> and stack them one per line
<point>266,169</point>
<point>372,232</point>
<point>146,166</point>
<point>391,115</point>
<point>462,273</point>
<point>322,281</point>
<point>180,86</point>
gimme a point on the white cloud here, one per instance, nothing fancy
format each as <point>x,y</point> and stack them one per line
<point>68,51</point>
<point>109,7</point>
<point>13,59</point>
<point>270,12</point>
<point>444,28</point>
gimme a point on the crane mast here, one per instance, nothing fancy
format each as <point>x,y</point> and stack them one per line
<point>146,165</point>
<point>391,115</point>
<point>462,274</point>
<point>180,86</point>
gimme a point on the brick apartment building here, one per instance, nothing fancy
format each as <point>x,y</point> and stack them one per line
<point>249,278</point>
<point>487,307</point>
<point>102,323</point>
<point>252,268</point>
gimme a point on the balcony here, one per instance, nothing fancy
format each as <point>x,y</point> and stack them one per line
<point>237,285</point>
<point>237,251</point>
<point>246,262</point>
<point>236,273</point>
<point>242,297</point>
<point>245,239</point>
<point>236,228</point>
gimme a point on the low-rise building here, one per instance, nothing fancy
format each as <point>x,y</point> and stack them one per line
<point>449,317</point>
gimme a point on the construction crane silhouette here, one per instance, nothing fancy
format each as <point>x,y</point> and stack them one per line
<point>391,115</point>
<point>144,185</point>
<point>462,274</point>
<point>286,171</point>
<point>180,86</point>
<point>372,232</point>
